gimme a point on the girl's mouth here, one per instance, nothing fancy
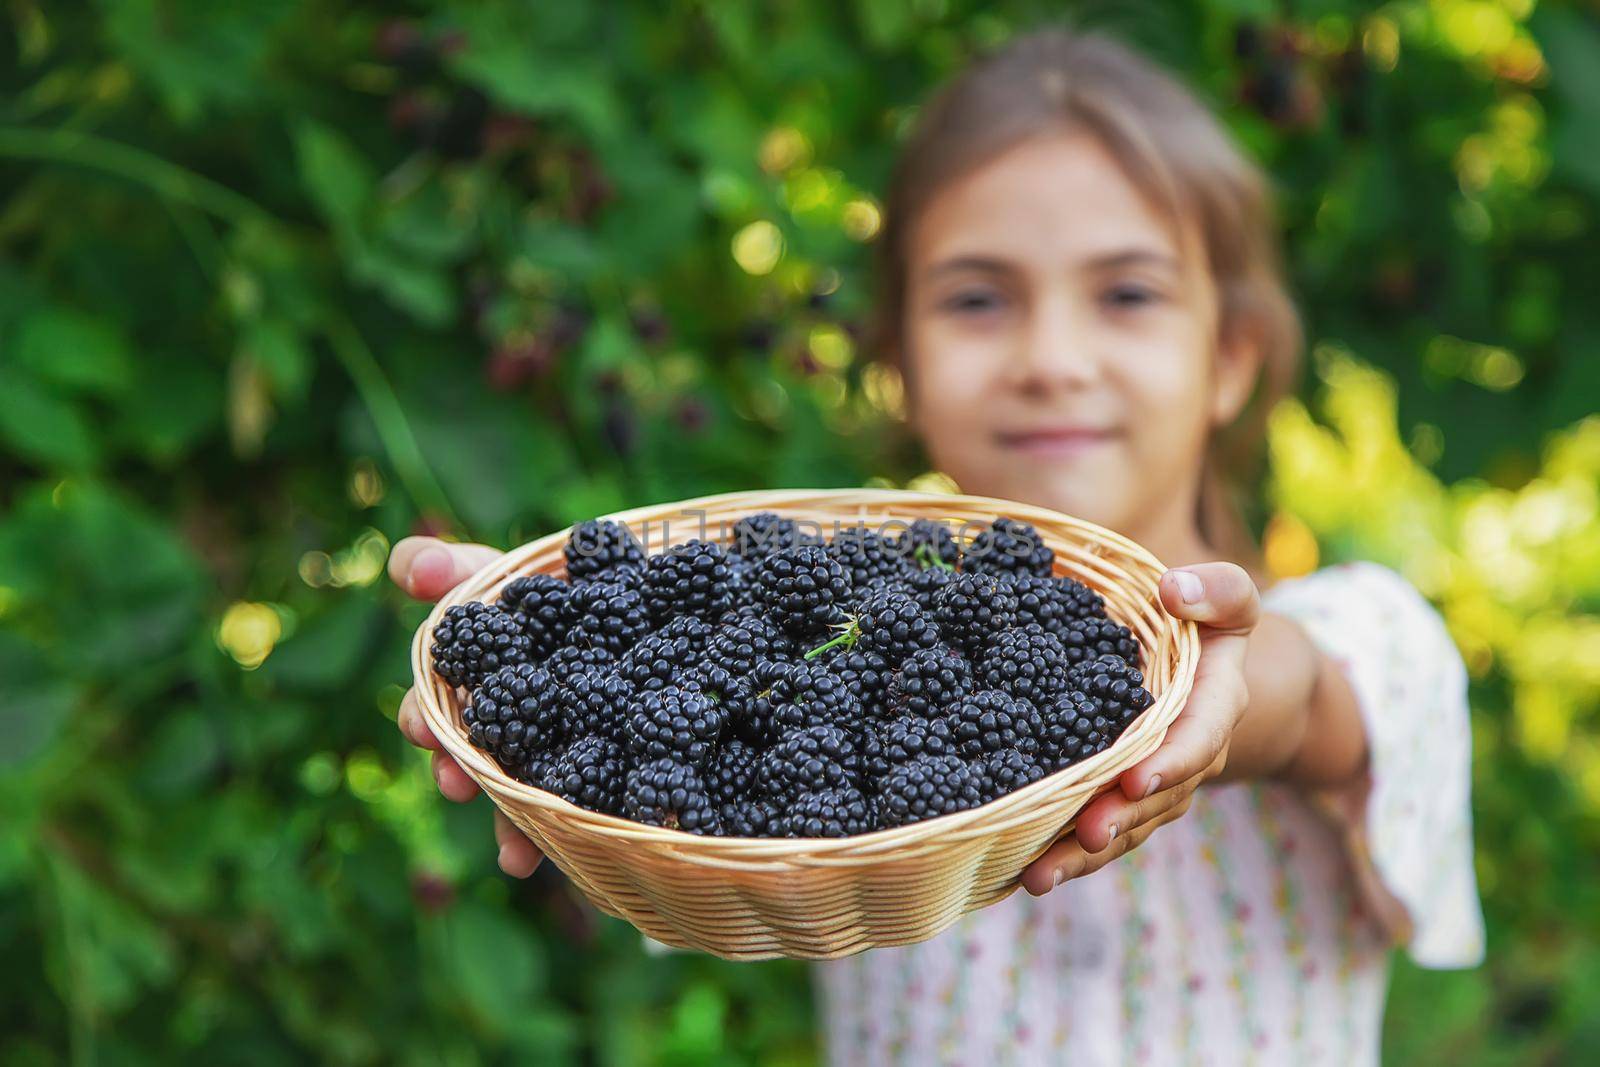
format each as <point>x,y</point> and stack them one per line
<point>1055,442</point>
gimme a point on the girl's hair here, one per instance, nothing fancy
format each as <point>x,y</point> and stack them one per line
<point>1178,155</point>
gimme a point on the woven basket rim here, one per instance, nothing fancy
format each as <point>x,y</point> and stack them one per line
<point>760,853</point>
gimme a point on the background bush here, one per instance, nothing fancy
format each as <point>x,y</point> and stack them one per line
<point>284,282</point>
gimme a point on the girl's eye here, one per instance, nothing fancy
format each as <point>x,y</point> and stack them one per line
<point>1129,296</point>
<point>972,301</point>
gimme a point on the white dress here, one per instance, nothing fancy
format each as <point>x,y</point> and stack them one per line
<point>1255,929</point>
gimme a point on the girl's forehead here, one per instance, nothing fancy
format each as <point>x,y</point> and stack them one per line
<point>1061,198</point>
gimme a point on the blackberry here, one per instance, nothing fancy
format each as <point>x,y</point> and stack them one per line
<point>930,682</point>
<point>472,641</point>
<point>539,603</point>
<point>594,702</point>
<point>690,579</point>
<point>1077,600</point>
<point>608,614</point>
<point>668,656</point>
<point>750,704</point>
<point>740,641</point>
<point>925,586</point>
<point>665,792</point>
<point>743,593</point>
<point>1091,638</point>
<point>750,817</point>
<point>758,536</point>
<point>1115,687</point>
<point>1007,771</point>
<point>894,625</point>
<point>806,760</point>
<point>972,608</point>
<point>515,714</point>
<point>732,774</point>
<point>1025,662</point>
<point>1008,547</point>
<point>866,555</point>
<point>927,541</point>
<point>866,677</point>
<point>841,812</point>
<point>536,769</point>
<point>576,658</point>
<point>1055,604</point>
<point>1039,603</point>
<point>808,692</point>
<point>600,547</point>
<point>677,721</point>
<point>1075,730</point>
<point>904,739</point>
<point>805,589</point>
<point>992,719</point>
<point>591,774</point>
<point>926,787</point>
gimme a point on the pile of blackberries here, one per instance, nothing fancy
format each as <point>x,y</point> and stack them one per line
<point>791,685</point>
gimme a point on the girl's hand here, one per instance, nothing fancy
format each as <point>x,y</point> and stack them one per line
<point>428,568</point>
<point>1223,600</point>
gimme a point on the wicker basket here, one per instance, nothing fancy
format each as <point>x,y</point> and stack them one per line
<point>751,898</point>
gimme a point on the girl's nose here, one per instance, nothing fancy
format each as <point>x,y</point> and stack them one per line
<point>1056,350</point>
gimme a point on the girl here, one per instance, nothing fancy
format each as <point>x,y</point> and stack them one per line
<point>1081,289</point>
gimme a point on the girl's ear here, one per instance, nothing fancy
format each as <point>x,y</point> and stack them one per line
<point>1238,368</point>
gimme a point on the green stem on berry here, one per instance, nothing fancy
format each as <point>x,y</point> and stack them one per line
<point>924,555</point>
<point>848,632</point>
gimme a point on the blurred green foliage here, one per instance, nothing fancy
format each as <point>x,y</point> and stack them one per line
<point>284,282</point>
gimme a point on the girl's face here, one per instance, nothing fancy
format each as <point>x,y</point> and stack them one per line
<point>1062,340</point>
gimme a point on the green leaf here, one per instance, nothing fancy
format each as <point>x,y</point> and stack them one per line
<point>167,409</point>
<point>276,347</point>
<point>43,426</point>
<point>423,292</point>
<point>336,177</point>
<point>34,704</point>
<point>543,83</point>
<point>74,350</point>
<point>496,965</point>
<point>326,651</point>
<point>102,952</point>
<point>94,566</point>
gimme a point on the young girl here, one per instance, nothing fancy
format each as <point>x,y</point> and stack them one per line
<point>1081,290</point>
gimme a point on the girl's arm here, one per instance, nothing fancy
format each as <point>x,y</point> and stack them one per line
<point>1301,723</point>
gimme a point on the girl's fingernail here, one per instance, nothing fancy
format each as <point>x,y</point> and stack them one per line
<point>1190,588</point>
<point>1060,876</point>
<point>1111,835</point>
<point>501,858</point>
<point>1155,784</point>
